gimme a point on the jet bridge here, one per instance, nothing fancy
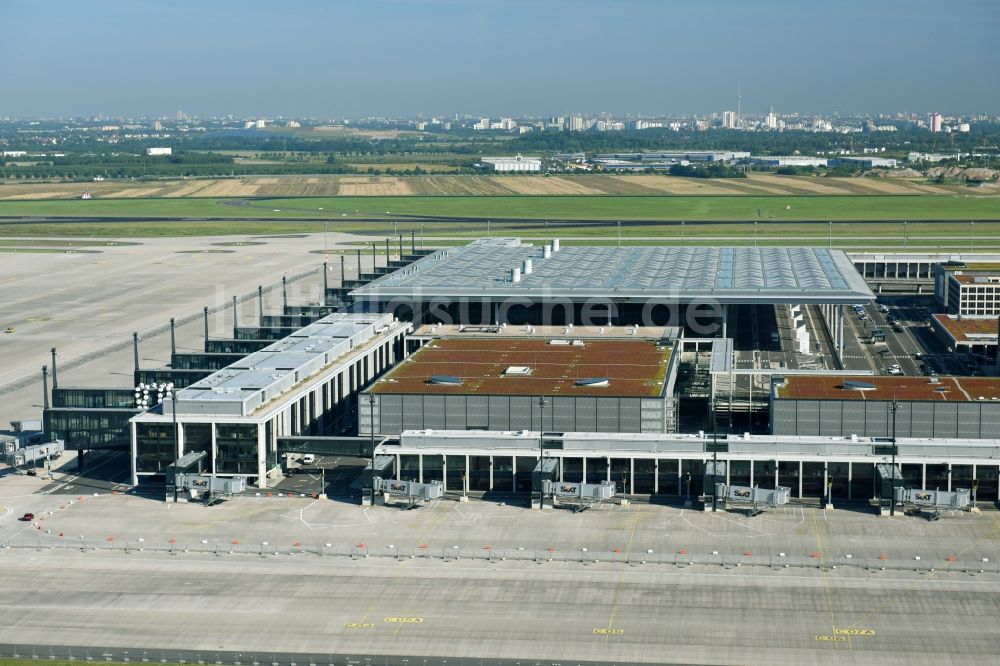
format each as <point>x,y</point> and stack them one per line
<point>934,503</point>
<point>30,455</point>
<point>578,496</point>
<point>410,492</point>
<point>758,498</point>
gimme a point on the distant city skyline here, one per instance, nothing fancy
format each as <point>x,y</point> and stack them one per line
<point>519,58</point>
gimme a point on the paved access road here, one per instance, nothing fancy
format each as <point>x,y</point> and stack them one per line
<point>561,611</point>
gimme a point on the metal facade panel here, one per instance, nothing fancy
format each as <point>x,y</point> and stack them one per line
<point>586,414</point>
<point>969,419</point>
<point>389,413</point>
<point>434,416</point>
<point>563,413</point>
<point>499,406</point>
<point>945,419</point>
<point>520,413</point>
<point>630,415</point>
<point>831,420</point>
<point>877,419</point>
<point>413,413</point>
<point>454,409</point>
<point>478,411</point>
<point>607,415</point>
<point>807,417</point>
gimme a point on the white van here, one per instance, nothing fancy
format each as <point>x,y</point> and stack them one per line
<point>308,459</point>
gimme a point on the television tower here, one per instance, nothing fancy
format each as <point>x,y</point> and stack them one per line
<point>739,103</point>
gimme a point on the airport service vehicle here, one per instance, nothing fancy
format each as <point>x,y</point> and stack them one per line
<point>27,518</point>
<point>308,459</point>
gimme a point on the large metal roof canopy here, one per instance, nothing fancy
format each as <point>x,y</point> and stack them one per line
<point>507,268</point>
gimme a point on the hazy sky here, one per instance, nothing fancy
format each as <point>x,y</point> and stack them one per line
<point>510,57</point>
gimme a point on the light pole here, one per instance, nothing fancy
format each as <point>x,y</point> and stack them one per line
<point>892,499</point>
<point>619,233</point>
<point>972,234</point>
<point>904,235</point>
<point>541,449</point>
<point>371,422</point>
<point>755,233</point>
<point>682,233</point>
<point>421,235</point>
<point>829,227</point>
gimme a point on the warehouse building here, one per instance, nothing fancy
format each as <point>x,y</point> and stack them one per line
<point>496,384</point>
<point>947,407</point>
<point>674,465</point>
<point>303,384</point>
<point>516,164</point>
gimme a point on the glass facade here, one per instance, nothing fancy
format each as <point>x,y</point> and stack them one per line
<point>236,445</point>
<point>155,449</point>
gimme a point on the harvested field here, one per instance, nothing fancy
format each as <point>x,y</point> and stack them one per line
<point>757,184</point>
<point>230,188</point>
<point>136,192</point>
<point>802,184</point>
<point>37,195</point>
<point>189,189</point>
<point>553,185</point>
<point>373,186</point>
<point>671,184</point>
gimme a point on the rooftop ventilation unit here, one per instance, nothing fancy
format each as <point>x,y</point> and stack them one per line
<point>445,380</point>
<point>596,382</point>
<point>517,371</point>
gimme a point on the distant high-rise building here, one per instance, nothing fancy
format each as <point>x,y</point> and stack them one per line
<point>771,120</point>
<point>729,119</point>
<point>157,126</point>
<point>935,122</point>
<point>575,124</point>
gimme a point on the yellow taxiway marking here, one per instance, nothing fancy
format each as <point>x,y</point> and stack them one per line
<point>610,632</point>
<point>855,632</point>
<point>830,638</point>
<point>359,625</point>
<point>405,620</point>
<point>621,579</point>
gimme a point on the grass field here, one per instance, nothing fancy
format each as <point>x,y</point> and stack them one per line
<point>676,208</point>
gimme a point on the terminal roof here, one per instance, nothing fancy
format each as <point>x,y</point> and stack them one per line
<point>633,368</point>
<point>252,381</point>
<point>674,274</point>
<point>825,387</point>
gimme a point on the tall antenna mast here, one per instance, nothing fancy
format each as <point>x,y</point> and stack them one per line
<point>739,103</point>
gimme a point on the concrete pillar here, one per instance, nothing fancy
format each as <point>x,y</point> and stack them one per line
<point>608,468</point>
<point>949,477</point>
<point>135,454</point>
<point>725,320</point>
<point>444,473</point>
<point>465,481</point>
<point>680,481</point>
<point>583,463</point>
<point>214,451</point>
<point>656,476</point>
<point>261,457</point>
<point>491,472</point>
<point>631,476</point>
<point>923,476</point>
<point>800,478</point>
